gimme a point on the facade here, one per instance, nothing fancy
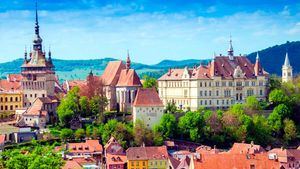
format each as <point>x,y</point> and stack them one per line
<point>115,155</point>
<point>38,75</point>
<point>11,97</point>
<point>147,107</point>
<point>226,80</point>
<point>147,157</point>
<point>287,70</point>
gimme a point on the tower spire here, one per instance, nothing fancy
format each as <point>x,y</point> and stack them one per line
<point>230,49</point>
<point>25,54</point>
<point>287,61</point>
<point>128,62</point>
<point>257,56</point>
<point>37,41</point>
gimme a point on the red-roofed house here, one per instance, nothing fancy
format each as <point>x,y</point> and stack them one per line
<point>147,107</point>
<point>114,154</point>
<point>219,84</point>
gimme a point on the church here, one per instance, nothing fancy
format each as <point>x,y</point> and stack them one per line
<point>224,81</point>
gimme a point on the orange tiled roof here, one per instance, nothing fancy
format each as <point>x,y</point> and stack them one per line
<point>14,77</point>
<point>112,72</point>
<point>243,148</point>
<point>128,77</point>
<point>115,159</point>
<point>146,153</point>
<point>10,86</point>
<point>36,109</point>
<point>70,164</point>
<point>147,97</point>
<point>88,146</point>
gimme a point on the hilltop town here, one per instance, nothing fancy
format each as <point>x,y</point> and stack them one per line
<point>229,113</point>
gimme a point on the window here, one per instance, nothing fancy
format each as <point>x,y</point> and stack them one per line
<point>209,93</point>
<point>217,93</point>
<point>239,83</point>
<point>230,84</point>
<point>223,83</point>
<point>253,83</point>
<point>217,84</point>
<point>201,93</point>
<point>250,92</point>
<point>261,92</point>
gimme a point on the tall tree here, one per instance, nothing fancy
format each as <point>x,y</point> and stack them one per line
<point>167,126</point>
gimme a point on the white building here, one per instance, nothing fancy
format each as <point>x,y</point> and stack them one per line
<point>147,107</point>
<point>226,80</point>
<point>287,70</point>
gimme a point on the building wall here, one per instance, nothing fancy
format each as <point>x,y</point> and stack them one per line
<point>10,101</point>
<point>149,115</point>
<point>211,93</point>
<point>125,98</point>
<point>137,164</point>
<point>37,85</point>
<point>287,74</point>
<point>35,121</point>
<point>158,164</point>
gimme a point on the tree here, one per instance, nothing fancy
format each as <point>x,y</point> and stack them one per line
<point>277,96</point>
<point>79,134</point>
<point>167,126</point>
<point>69,107</point>
<point>290,130</point>
<point>171,108</point>
<point>252,104</point>
<point>275,82</point>
<point>94,87</point>
<point>66,134</point>
<point>32,157</point>
<point>275,121</point>
<point>149,82</point>
<point>261,133</point>
<point>84,106</point>
<point>142,135</point>
<point>97,106</point>
<point>283,111</point>
<point>191,126</point>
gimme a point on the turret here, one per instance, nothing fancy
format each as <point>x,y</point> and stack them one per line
<point>25,55</point>
<point>128,62</point>
<point>257,67</point>
<point>287,70</point>
<point>230,50</point>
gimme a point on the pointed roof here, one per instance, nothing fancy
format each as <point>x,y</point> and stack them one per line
<point>147,97</point>
<point>257,67</point>
<point>287,61</point>
<point>129,77</point>
<point>112,72</point>
<point>230,49</point>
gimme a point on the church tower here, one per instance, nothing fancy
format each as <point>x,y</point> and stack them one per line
<point>230,51</point>
<point>287,70</point>
<point>37,71</point>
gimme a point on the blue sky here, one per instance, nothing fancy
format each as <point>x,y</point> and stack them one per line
<point>152,30</point>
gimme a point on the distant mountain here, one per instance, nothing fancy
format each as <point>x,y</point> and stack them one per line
<point>272,59</point>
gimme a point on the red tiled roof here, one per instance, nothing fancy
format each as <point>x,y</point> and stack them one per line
<point>147,97</point>
<point>115,159</point>
<point>112,72</point>
<point>243,148</point>
<point>220,66</point>
<point>10,86</point>
<point>14,77</point>
<point>88,146</point>
<point>128,77</point>
<point>36,109</point>
<point>235,161</point>
<point>146,153</point>
<point>70,164</point>
<point>285,154</point>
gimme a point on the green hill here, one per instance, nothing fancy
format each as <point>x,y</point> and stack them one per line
<point>272,59</point>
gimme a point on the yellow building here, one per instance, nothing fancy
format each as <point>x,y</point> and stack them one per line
<point>10,101</point>
<point>147,157</point>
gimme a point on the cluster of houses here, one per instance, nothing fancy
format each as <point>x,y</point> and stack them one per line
<point>91,154</point>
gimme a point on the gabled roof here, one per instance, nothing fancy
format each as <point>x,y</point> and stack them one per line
<point>10,86</point>
<point>115,159</point>
<point>147,153</point>
<point>221,66</point>
<point>128,77</point>
<point>36,109</point>
<point>147,97</point>
<point>14,77</point>
<point>88,146</point>
<point>243,148</point>
<point>112,72</point>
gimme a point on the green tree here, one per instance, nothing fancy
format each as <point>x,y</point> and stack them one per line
<point>84,106</point>
<point>290,130</point>
<point>252,104</point>
<point>142,135</point>
<point>167,126</point>
<point>275,121</point>
<point>69,107</point>
<point>79,134</point>
<point>261,133</point>
<point>283,111</point>
<point>66,134</point>
<point>277,96</point>
<point>171,108</point>
<point>191,126</point>
<point>275,82</point>
<point>149,82</point>
<point>97,106</point>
